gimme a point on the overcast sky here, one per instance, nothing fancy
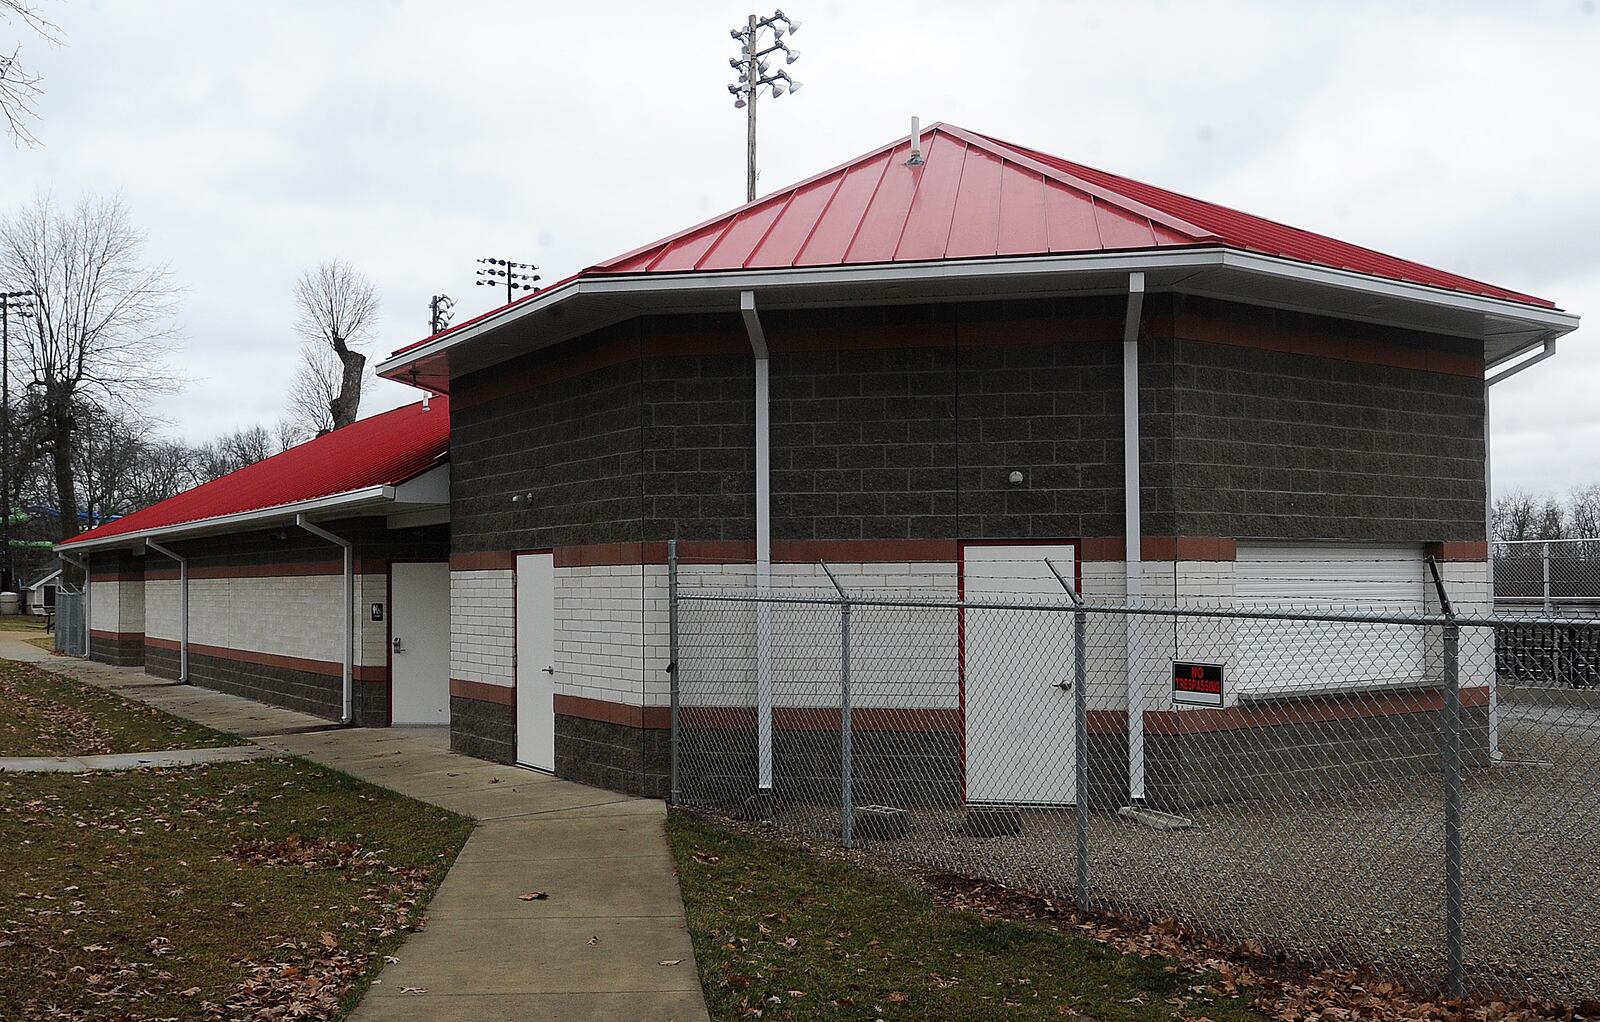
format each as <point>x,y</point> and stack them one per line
<point>254,140</point>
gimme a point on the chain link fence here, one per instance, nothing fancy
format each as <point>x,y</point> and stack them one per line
<point>69,631</point>
<point>1547,579</point>
<point>1345,786</point>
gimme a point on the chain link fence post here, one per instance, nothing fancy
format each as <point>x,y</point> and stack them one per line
<point>1455,960</point>
<point>676,738</point>
<point>1454,953</point>
<point>846,725</point>
<point>1080,747</point>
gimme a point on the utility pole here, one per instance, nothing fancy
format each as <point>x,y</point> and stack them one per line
<point>19,304</point>
<point>752,65</point>
<point>507,272</point>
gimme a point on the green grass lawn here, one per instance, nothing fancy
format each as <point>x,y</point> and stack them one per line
<point>208,892</point>
<point>45,714</point>
<point>790,935</point>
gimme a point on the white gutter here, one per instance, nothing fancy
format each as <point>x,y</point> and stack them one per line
<point>1490,380</point>
<point>1189,259</point>
<point>82,563</point>
<point>758,347</point>
<point>1133,568</point>
<point>223,523</point>
<point>1547,352</point>
<point>183,605</point>
<point>347,714</point>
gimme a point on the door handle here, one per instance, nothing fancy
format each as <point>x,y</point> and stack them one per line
<point>399,647</point>
<point>550,670</point>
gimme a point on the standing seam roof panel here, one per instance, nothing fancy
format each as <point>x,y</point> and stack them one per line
<point>926,233</point>
<point>974,230</point>
<point>842,219</point>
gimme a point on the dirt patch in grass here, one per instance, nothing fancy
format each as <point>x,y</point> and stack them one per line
<point>45,714</point>
<point>783,934</point>
<point>270,889</point>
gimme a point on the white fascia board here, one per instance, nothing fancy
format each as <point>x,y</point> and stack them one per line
<point>244,519</point>
<point>1193,258</point>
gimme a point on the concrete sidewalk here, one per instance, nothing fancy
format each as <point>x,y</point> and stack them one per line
<point>593,949</point>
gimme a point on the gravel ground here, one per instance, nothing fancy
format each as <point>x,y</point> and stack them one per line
<point>1346,878</point>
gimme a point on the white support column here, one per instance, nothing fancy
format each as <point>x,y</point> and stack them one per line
<point>1488,597</point>
<point>183,605</point>
<point>347,714</point>
<point>764,693</point>
<point>1132,557</point>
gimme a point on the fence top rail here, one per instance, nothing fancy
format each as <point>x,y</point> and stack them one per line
<point>1063,606</point>
<point>1541,542</point>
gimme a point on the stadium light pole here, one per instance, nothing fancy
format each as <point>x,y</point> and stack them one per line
<point>19,304</point>
<point>440,309</point>
<point>752,64</point>
<point>512,275</point>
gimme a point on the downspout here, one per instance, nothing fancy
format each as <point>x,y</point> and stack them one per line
<point>1488,521</point>
<point>183,605</point>
<point>1133,568</point>
<point>83,565</point>
<point>758,348</point>
<point>347,714</point>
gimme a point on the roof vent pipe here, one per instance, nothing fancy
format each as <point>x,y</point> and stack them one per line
<point>916,143</point>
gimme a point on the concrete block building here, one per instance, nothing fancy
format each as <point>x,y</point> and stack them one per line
<point>288,580</point>
<point>933,367</point>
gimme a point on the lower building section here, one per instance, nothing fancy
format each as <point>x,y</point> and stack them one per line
<point>1193,758</point>
<point>307,686</point>
<point>120,649</point>
<point>483,721</point>
<point>635,760</point>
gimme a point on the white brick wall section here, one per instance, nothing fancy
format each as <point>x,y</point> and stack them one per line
<point>599,632</point>
<point>105,606</point>
<point>483,626</point>
<point>288,615</point>
<point>161,609</point>
<point>298,616</point>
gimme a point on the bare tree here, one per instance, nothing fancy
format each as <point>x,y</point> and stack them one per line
<point>338,309</point>
<point>286,434</point>
<point>19,87</point>
<point>103,327</point>
<point>232,451</point>
<point>1583,512</point>
<point>315,389</point>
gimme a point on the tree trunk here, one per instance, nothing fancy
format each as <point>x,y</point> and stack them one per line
<point>66,487</point>
<point>347,404</point>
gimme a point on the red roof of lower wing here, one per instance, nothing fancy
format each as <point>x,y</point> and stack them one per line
<point>384,450</point>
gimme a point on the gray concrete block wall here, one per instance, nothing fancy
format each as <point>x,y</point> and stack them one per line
<point>1273,445</point>
<point>570,445</point>
<point>483,729</point>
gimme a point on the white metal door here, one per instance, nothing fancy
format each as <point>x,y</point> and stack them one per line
<point>1017,673</point>
<point>419,629</point>
<point>1278,656</point>
<point>536,624</point>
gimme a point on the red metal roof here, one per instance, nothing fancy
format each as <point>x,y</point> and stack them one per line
<point>975,197</point>
<point>384,450</point>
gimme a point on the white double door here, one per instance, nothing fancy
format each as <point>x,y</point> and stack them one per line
<point>419,643</point>
<point>536,680</point>
<point>1017,677</point>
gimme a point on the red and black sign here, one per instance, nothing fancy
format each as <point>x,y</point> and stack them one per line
<point>1197,684</point>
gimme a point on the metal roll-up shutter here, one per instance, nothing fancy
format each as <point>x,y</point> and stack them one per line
<point>1280,656</point>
